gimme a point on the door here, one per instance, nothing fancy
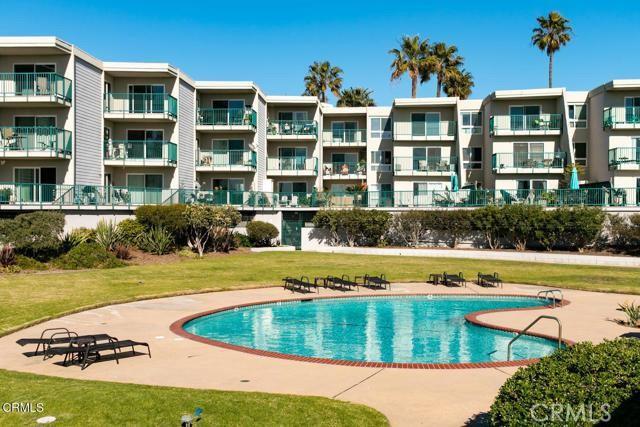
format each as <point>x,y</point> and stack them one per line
<point>524,116</point>
<point>433,124</point>
<point>344,163</point>
<point>520,154</point>
<point>48,187</point>
<point>145,189</point>
<point>292,158</point>
<point>35,132</point>
<point>292,223</point>
<point>419,159</point>
<point>434,158</point>
<point>144,144</point>
<point>386,195</point>
<point>33,79</point>
<point>524,186</point>
<point>632,109</point>
<point>228,191</point>
<point>146,98</point>
<point>27,181</point>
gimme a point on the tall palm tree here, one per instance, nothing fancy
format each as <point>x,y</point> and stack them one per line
<point>553,33</point>
<point>458,83</point>
<point>322,77</point>
<point>443,61</point>
<point>356,97</point>
<point>410,58</point>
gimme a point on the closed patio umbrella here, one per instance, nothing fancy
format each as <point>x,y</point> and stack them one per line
<point>573,184</point>
<point>454,183</point>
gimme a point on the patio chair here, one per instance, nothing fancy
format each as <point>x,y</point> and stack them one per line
<point>489,280</point>
<point>343,283</point>
<point>377,282</point>
<point>56,336</point>
<point>453,279</point>
<point>293,283</point>
<point>82,350</point>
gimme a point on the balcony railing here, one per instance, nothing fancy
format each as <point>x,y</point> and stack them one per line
<point>621,156</point>
<point>53,196</point>
<point>141,152</point>
<point>227,117</point>
<point>32,85</point>
<point>292,165</point>
<point>36,141</point>
<point>227,159</point>
<point>529,160</point>
<point>293,128</point>
<point>529,123</point>
<point>345,169</point>
<point>141,104</point>
<point>422,131</point>
<point>627,117</point>
<point>420,165</point>
<point>344,137</point>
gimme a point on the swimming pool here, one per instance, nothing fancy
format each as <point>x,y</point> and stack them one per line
<point>422,329</point>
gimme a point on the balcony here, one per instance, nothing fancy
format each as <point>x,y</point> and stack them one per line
<point>140,153</point>
<point>35,142</point>
<point>624,158</point>
<point>530,124</point>
<point>424,166</point>
<point>226,161</point>
<point>552,162</point>
<point>344,170</point>
<point>48,89</point>
<point>292,130</point>
<point>140,106</point>
<point>292,166</point>
<point>344,138</point>
<point>425,131</point>
<point>227,119</point>
<point>621,118</point>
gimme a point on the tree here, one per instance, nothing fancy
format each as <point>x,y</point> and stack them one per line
<point>553,33</point>
<point>458,83</point>
<point>321,78</point>
<point>411,58</point>
<point>207,225</point>
<point>356,97</point>
<point>443,61</point>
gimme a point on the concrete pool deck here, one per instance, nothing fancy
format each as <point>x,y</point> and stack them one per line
<point>405,396</point>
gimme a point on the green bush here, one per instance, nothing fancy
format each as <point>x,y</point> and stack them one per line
<point>26,263</point>
<point>87,255</point>
<point>488,221</point>
<point>583,376</point>
<point>624,232</point>
<point>355,227</point>
<point>157,241</point>
<point>34,234</point>
<point>211,227</point>
<point>170,217</point>
<point>407,228</point>
<point>75,237</point>
<point>107,235</point>
<point>261,233</point>
<point>130,230</point>
<point>583,227</point>
<point>242,240</point>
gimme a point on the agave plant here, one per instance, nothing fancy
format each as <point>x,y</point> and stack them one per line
<point>632,311</point>
<point>107,235</point>
<point>157,241</point>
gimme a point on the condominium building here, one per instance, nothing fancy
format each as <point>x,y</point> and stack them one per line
<point>80,135</point>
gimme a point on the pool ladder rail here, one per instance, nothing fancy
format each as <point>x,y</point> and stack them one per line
<point>549,294</point>
<point>522,332</point>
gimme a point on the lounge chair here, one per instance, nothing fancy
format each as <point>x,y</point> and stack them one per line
<point>489,280</point>
<point>453,279</point>
<point>292,284</point>
<point>57,336</point>
<point>344,282</point>
<point>82,350</point>
<point>377,282</point>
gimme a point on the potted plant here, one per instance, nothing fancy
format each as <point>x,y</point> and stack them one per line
<point>5,195</point>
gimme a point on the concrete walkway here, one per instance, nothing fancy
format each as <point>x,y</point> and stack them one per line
<point>405,396</point>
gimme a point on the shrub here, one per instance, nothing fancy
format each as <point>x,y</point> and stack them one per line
<point>581,376</point>
<point>583,227</point>
<point>156,241</point>
<point>122,252</point>
<point>130,231</point>
<point>26,263</point>
<point>75,237</point>
<point>261,233</point>
<point>210,227</point>
<point>87,255</point>
<point>7,255</point>
<point>624,232</point>
<point>242,240</point>
<point>34,234</point>
<point>107,235</point>
<point>170,217</point>
<point>457,224</point>
<point>488,221</point>
<point>632,311</point>
<point>520,222</point>
<point>407,228</point>
<point>355,227</point>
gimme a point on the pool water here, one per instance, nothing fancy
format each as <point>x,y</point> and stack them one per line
<point>411,329</point>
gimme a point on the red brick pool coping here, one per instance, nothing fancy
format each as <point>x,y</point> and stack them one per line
<point>177,328</point>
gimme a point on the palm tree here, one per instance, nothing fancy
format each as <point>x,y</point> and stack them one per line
<point>458,83</point>
<point>356,97</point>
<point>553,32</point>
<point>443,61</point>
<point>410,58</point>
<point>322,77</point>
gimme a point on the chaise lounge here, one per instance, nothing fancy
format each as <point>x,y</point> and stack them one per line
<point>85,350</point>
<point>489,280</point>
<point>343,283</point>
<point>453,279</point>
<point>294,284</point>
<point>379,282</point>
<point>56,336</point>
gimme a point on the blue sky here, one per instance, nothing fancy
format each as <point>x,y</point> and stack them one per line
<point>272,43</point>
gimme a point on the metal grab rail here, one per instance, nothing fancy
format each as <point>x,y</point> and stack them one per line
<point>546,292</point>
<point>522,332</point>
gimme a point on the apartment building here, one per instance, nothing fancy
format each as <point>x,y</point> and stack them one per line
<point>80,134</point>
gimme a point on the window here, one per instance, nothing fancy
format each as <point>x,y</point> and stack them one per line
<point>471,122</point>
<point>472,157</point>
<point>381,161</point>
<point>380,127</point>
<point>39,83</point>
<point>425,124</point>
<point>292,116</point>
<point>578,115</point>
<point>580,152</point>
<point>344,131</point>
<point>146,98</point>
<point>525,154</point>
<point>523,116</point>
<point>526,187</point>
<point>292,158</point>
<point>292,187</point>
<point>143,144</point>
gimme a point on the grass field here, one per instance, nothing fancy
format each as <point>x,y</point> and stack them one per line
<point>30,298</point>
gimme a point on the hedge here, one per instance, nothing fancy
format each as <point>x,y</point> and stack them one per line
<point>261,233</point>
<point>36,234</point>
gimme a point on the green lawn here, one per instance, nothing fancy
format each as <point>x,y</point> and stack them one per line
<point>94,403</point>
<point>30,298</point>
